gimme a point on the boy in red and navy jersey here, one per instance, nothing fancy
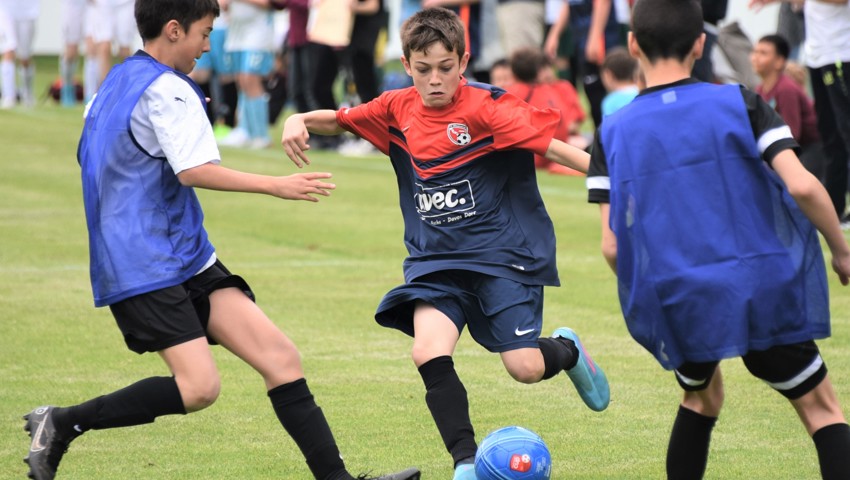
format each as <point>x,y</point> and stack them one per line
<point>481,245</point>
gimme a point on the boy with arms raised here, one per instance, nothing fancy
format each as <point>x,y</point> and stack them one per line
<point>481,245</point>
<point>145,144</point>
<point>709,220</point>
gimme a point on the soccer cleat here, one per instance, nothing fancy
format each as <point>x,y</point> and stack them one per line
<point>46,448</point>
<point>586,375</point>
<point>409,474</point>
<point>464,471</point>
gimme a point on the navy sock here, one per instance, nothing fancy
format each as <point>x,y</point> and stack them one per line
<point>447,401</point>
<point>559,354</point>
<point>135,404</point>
<point>833,446</point>
<point>687,453</point>
<point>297,411</point>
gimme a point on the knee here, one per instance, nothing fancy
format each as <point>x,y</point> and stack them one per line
<point>199,393</point>
<point>526,371</point>
<point>706,402</point>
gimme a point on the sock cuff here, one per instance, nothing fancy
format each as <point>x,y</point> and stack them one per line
<point>436,368</point>
<point>831,431</point>
<point>693,416</point>
<point>290,389</point>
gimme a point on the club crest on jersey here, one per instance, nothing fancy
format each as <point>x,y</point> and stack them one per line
<point>459,134</point>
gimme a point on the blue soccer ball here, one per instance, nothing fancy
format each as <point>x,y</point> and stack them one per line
<point>513,453</point>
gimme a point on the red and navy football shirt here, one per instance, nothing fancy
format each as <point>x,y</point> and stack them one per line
<point>467,186</point>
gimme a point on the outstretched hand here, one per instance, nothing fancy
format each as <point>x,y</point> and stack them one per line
<point>302,186</point>
<point>294,140</point>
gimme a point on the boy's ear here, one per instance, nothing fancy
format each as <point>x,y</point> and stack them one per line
<point>172,30</point>
<point>464,61</point>
<point>406,66</point>
<point>634,48</point>
<point>698,47</point>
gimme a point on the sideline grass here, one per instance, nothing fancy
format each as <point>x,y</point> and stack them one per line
<point>318,271</point>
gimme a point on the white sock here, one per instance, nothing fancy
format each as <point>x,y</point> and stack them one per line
<point>91,77</point>
<point>7,81</point>
<point>27,79</point>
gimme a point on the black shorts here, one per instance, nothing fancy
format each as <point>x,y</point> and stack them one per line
<point>792,370</point>
<point>156,320</point>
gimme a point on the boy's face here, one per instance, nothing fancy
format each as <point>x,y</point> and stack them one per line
<point>501,76</point>
<point>765,60</point>
<point>436,74</point>
<point>192,44</point>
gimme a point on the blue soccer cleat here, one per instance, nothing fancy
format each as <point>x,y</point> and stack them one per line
<point>465,471</point>
<point>588,378</point>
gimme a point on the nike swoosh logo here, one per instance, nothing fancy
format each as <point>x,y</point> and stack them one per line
<point>405,129</point>
<point>180,99</point>
<point>37,446</point>
<point>520,333</point>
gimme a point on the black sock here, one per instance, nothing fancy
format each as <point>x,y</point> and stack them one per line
<point>833,446</point>
<point>687,452</point>
<point>446,398</point>
<point>136,404</point>
<point>559,354</point>
<point>211,114</point>
<point>230,95</point>
<point>297,411</point>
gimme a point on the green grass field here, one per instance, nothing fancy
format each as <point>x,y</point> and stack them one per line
<point>319,270</point>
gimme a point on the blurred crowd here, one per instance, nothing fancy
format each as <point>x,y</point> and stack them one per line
<point>269,55</point>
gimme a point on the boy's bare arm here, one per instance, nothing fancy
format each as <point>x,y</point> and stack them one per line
<point>609,240</point>
<point>568,155</point>
<point>300,186</point>
<point>815,203</point>
<point>297,130</point>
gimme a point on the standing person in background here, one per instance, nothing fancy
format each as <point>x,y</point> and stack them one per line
<point>214,74</point>
<point>521,24</point>
<point>827,25</point>
<point>22,15</point>
<point>8,45</point>
<point>73,34</point>
<point>112,26</point>
<point>594,27</point>
<point>250,43</point>
<point>769,59</point>
<point>713,11</point>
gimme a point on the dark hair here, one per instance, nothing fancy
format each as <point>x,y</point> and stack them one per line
<point>526,63</point>
<point>779,44</point>
<point>502,62</point>
<point>666,28</point>
<point>152,15</point>
<point>623,67</point>
<point>432,25</point>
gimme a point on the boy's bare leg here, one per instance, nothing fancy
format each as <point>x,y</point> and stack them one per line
<point>821,414</point>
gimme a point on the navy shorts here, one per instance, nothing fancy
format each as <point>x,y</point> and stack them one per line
<point>157,320</point>
<point>501,314</point>
<point>792,370</point>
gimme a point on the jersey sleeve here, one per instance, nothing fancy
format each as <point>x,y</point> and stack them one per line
<point>180,124</point>
<point>369,121</point>
<point>598,182</point>
<point>517,125</point>
<point>770,131</point>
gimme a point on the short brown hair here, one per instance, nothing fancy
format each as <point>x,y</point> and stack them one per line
<point>432,25</point>
<point>526,63</point>
<point>623,67</point>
